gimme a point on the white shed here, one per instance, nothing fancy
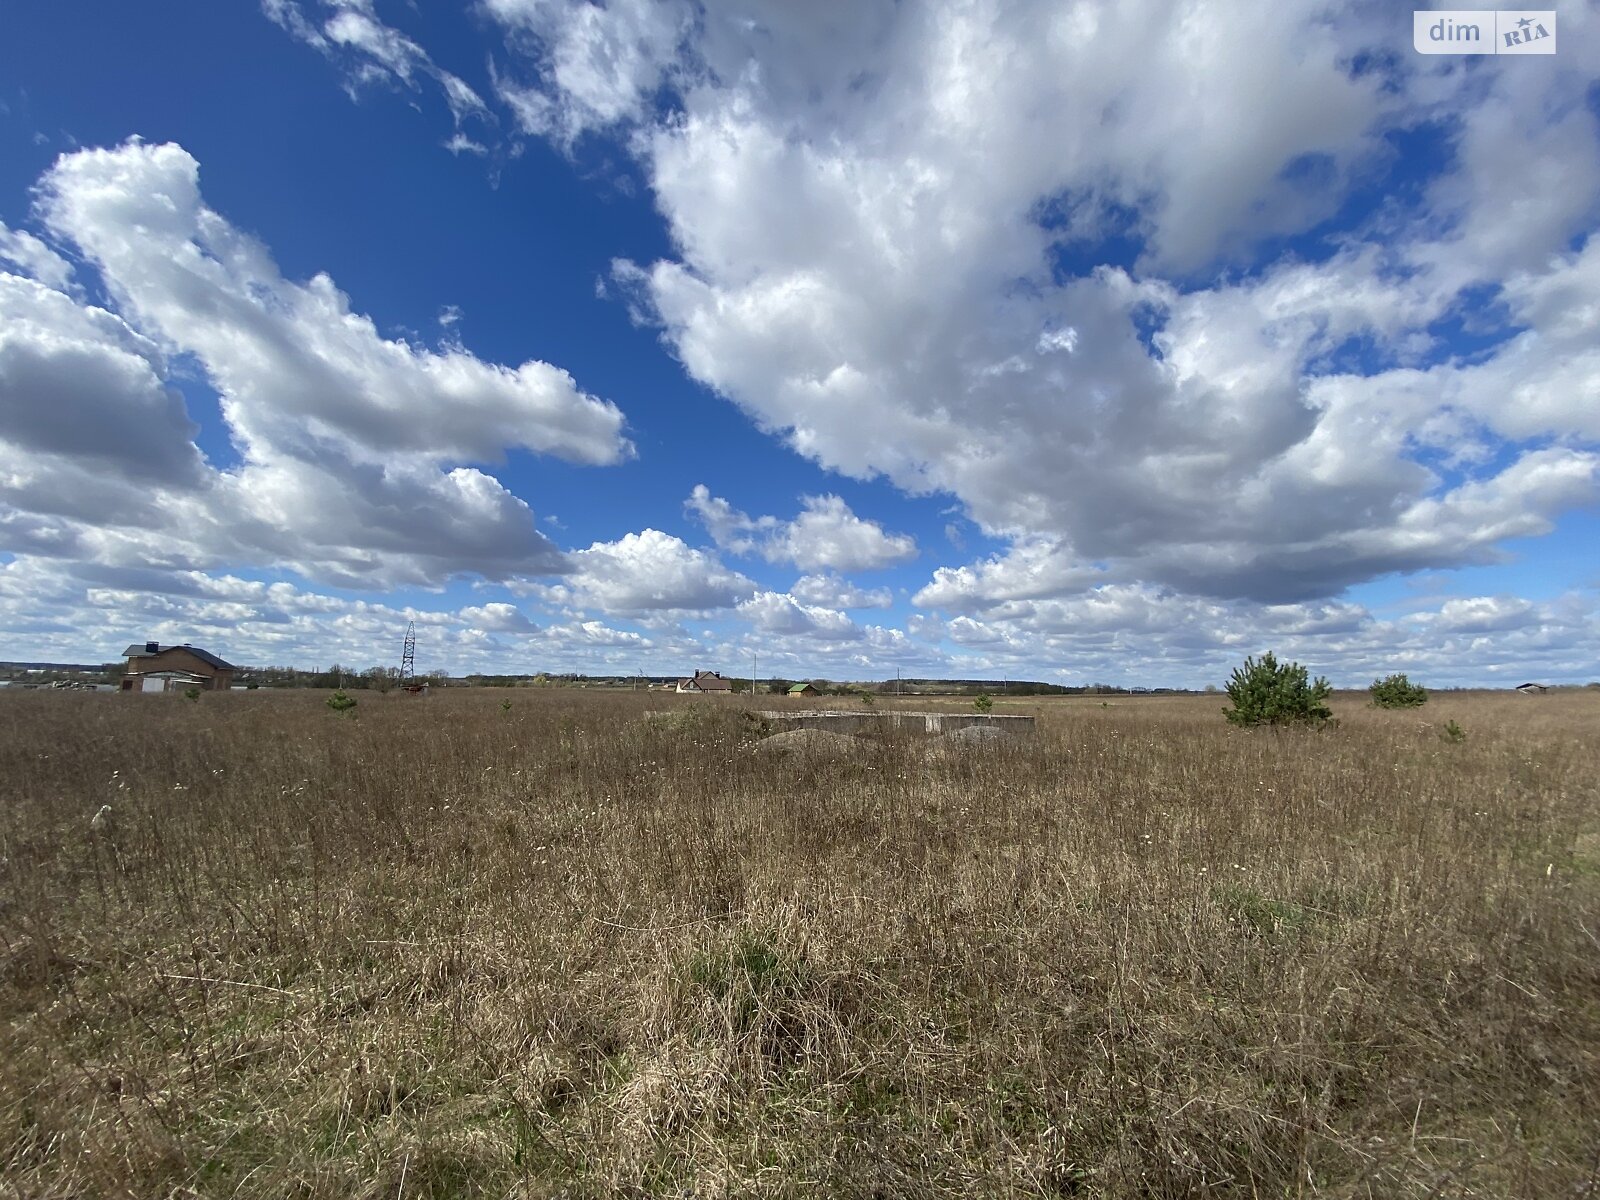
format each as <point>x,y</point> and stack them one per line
<point>170,681</point>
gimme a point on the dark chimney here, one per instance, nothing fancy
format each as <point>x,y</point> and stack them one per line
<point>152,647</point>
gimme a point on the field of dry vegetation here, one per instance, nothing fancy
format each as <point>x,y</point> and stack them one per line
<point>442,948</point>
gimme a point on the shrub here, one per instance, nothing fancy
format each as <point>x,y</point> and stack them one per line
<point>1272,693</point>
<point>983,703</point>
<point>191,693</point>
<point>341,703</point>
<point>1397,691</point>
<point>1453,732</point>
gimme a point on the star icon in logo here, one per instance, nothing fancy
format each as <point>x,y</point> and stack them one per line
<point>1524,23</point>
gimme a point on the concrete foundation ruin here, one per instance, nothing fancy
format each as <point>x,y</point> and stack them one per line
<point>901,722</point>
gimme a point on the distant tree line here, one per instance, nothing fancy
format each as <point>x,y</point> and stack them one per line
<point>377,679</point>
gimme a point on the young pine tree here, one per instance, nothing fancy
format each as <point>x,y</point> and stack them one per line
<point>1397,691</point>
<point>1272,693</point>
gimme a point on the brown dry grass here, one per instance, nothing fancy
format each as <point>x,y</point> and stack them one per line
<point>444,950</point>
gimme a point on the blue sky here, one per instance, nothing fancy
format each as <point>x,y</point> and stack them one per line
<point>934,337</point>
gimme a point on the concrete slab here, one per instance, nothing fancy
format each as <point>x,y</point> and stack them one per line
<point>907,722</point>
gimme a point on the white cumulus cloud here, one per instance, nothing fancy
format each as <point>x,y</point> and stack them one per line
<point>647,572</point>
<point>869,231</point>
<point>353,447</point>
<point>34,259</point>
<point>825,536</point>
<point>777,613</point>
<point>832,591</point>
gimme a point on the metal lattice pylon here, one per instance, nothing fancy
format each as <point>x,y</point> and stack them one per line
<point>408,657</point>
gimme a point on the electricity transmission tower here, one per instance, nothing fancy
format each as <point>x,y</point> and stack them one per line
<point>408,657</point>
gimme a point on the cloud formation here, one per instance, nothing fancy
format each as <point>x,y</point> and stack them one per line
<point>775,612</point>
<point>889,223</point>
<point>826,536</point>
<point>352,446</point>
<point>27,254</point>
<point>830,591</point>
<point>1180,331</point>
<point>1120,634</point>
<point>643,573</point>
<point>350,33</point>
<point>598,65</point>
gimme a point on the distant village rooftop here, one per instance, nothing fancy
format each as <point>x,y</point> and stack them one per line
<point>153,667</point>
<point>705,681</point>
<point>153,649</point>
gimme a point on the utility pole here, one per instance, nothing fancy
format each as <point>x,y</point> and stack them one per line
<point>752,674</point>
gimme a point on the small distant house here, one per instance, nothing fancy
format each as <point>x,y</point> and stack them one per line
<point>153,667</point>
<point>705,681</point>
<point>1533,689</point>
<point>803,689</point>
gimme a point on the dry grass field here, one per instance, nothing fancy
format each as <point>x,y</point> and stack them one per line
<point>441,948</point>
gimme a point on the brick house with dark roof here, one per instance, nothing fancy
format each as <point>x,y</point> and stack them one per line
<point>153,667</point>
<point>705,681</point>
